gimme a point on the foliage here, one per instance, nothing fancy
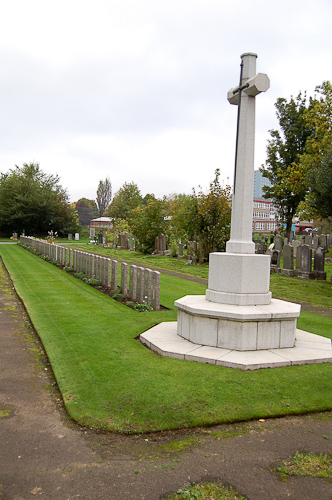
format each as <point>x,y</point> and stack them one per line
<point>142,307</point>
<point>214,216</point>
<point>183,209</point>
<point>206,491</point>
<point>86,210</point>
<point>307,464</point>
<point>282,167</point>
<point>147,222</point>
<point>317,159</point>
<point>125,200</point>
<point>203,217</point>
<point>104,195</point>
<point>118,226</point>
<point>320,186</point>
<point>34,202</point>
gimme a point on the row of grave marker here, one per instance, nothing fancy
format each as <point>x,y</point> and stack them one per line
<point>144,284</point>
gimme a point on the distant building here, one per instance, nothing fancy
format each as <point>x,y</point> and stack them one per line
<point>264,218</point>
<point>259,183</point>
<point>99,224</point>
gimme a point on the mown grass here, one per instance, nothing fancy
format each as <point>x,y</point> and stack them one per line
<point>109,380</point>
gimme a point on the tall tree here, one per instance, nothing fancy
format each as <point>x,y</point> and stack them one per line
<point>283,167</point>
<point>86,210</point>
<point>316,160</point>
<point>203,217</point>
<point>104,195</point>
<point>34,202</point>
<point>125,200</point>
<point>215,216</point>
<point>147,222</point>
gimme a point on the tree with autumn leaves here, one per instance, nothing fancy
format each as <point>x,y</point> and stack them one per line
<point>299,157</point>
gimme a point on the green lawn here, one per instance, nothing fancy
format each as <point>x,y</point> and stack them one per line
<point>111,381</point>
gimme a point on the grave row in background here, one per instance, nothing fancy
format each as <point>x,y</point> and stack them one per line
<point>144,284</point>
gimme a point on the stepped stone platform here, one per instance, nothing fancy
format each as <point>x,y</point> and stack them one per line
<point>309,349</point>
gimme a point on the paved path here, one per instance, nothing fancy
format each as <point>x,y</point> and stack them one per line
<point>43,454</point>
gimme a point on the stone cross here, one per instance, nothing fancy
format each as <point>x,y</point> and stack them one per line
<point>242,203</point>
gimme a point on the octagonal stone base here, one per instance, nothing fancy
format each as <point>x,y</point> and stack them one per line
<point>241,328</point>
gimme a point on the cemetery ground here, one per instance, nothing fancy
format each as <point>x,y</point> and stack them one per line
<point>110,382</point>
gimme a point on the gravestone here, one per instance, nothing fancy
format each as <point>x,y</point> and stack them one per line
<point>180,254</point>
<point>156,245</point>
<point>315,242</point>
<point>162,243</point>
<point>124,278</point>
<point>92,232</point>
<point>100,238</point>
<point>146,284</point>
<point>291,236</point>
<point>323,241</point>
<point>319,272</point>
<point>155,290</point>
<point>288,262</point>
<point>140,284</point>
<point>70,236</point>
<point>124,241</point>
<point>114,279</point>
<point>329,240</point>
<point>77,236</point>
<point>133,283</point>
<point>305,262</point>
<point>308,240</point>
<point>14,236</point>
<point>275,259</point>
<point>278,243</point>
<point>295,244</point>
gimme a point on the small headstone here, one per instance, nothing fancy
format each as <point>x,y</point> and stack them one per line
<point>114,279</point>
<point>156,245</point>
<point>70,236</point>
<point>308,240</point>
<point>275,258</point>
<point>295,244</point>
<point>133,283</point>
<point>278,243</point>
<point>77,236</point>
<point>305,261</point>
<point>315,241</point>
<point>323,241</point>
<point>155,290</point>
<point>92,232</point>
<point>320,274</point>
<point>288,262</point>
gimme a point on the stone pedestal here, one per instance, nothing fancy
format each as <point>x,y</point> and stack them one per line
<point>239,279</point>
<point>242,328</point>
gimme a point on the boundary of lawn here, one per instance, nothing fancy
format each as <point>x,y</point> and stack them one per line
<point>111,382</point>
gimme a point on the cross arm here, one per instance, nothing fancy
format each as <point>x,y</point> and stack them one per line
<point>253,86</point>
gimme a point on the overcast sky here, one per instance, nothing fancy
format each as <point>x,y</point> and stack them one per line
<point>136,90</point>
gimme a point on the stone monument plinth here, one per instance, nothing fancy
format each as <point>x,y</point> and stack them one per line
<point>238,311</point>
